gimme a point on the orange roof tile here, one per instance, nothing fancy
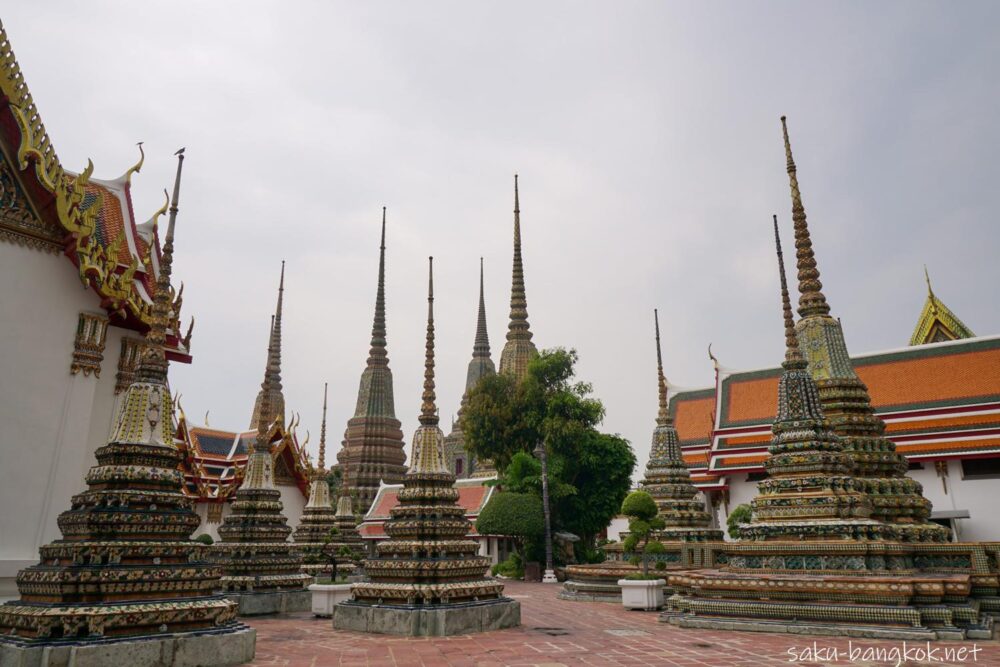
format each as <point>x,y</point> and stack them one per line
<point>932,379</point>
<point>693,417</point>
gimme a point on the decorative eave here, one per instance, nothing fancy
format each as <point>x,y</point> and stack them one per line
<point>122,271</point>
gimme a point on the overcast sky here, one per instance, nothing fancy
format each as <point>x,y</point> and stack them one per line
<point>647,139</point>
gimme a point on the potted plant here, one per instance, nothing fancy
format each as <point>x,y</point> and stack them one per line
<point>642,591</point>
<point>328,592</point>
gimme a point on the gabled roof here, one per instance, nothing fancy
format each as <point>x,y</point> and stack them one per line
<point>937,323</point>
<point>90,220</point>
<point>938,400</point>
<point>215,460</point>
<point>473,494</point>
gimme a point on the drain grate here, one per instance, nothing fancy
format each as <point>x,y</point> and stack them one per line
<point>552,632</point>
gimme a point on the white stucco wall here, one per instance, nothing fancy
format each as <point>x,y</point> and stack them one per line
<point>46,412</point>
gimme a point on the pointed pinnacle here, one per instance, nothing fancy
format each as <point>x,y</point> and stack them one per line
<point>663,415</point>
<point>377,354</point>
<point>152,364</point>
<point>793,355</point>
<point>518,328</point>
<point>811,298</point>
<point>322,434</point>
<point>481,346</point>
<point>428,411</point>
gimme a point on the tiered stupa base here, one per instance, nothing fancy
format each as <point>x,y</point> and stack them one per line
<point>844,588</point>
<point>224,646</point>
<point>596,582</point>
<point>460,618</point>
<point>271,602</point>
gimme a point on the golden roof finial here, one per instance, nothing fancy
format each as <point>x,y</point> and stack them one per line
<point>428,411</point>
<point>663,415</point>
<point>137,166</point>
<point>793,355</point>
<point>811,298</point>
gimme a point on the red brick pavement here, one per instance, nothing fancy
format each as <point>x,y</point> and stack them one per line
<point>557,632</point>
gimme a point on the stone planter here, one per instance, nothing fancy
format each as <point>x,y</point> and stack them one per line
<point>643,594</point>
<point>325,596</point>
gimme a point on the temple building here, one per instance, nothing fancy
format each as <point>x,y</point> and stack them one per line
<point>70,353</point>
<point>460,461</point>
<point>937,323</point>
<point>372,450</point>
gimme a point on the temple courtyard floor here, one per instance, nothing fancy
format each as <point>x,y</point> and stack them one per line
<point>556,632</point>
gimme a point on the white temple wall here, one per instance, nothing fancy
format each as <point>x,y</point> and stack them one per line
<point>46,411</point>
<point>293,502</point>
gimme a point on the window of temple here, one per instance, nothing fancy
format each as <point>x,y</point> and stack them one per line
<point>981,468</point>
<point>459,466</point>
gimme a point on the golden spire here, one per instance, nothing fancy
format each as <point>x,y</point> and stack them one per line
<point>428,411</point>
<point>663,416</point>
<point>811,299</point>
<point>793,355</point>
<point>152,366</point>
<point>274,406</point>
<point>322,435</point>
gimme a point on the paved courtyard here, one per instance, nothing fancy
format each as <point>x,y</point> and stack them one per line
<point>556,632</point>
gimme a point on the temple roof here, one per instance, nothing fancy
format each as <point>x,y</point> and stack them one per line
<point>473,494</point>
<point>937,323</point>
<point>215,460</point>
<point>940,400</point>
<point>89,220</point>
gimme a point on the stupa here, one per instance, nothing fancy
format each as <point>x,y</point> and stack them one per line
<point>879,469</point>
<point>459,460</point>
<point>125,584</point>
<point>812,560</point>
<point>312,536</point>
<point>261,569</point>
<point>373,448</point>
<point>427,578</point>
<point>668,481</point>
<point>519,349</point>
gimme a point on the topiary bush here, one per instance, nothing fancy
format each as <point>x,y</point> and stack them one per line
<point>741,514</point>
<point>641,509</point>
<point>205,538</point>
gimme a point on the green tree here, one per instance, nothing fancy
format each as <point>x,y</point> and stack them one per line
<point>740,515</point>
<point>515,515</point>
<point>589,471</point>
<point>641,509</point>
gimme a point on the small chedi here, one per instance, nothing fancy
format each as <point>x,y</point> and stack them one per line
<point>373,448</point>
<point>668,481</point>
<point>427,578</point>
<point>126,584</point>
<point>261,569</point>
<point>458,459</point>
<point>813,559</point>
<point>318,524</point>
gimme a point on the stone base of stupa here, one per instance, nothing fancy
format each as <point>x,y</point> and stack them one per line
<point>921,606</point>
<point>232,646</point>
<point>269,602</point>
<point>596,582</point>
<point>461,618</point>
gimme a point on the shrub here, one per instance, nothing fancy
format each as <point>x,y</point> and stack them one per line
<point>516,515</point>
<point>639,505</point>
<point>204,538</point>
<point>741,514</point>
<point>513,567</point>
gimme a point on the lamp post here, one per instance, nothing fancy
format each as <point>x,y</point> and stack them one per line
<point>550,575</point>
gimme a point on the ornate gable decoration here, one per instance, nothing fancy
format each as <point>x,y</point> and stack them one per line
<point>91,220</point>
<point>937,322</point>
